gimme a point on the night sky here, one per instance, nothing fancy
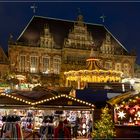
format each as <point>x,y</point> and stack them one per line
<point>122,18</point>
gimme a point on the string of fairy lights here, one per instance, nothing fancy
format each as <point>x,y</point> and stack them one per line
<point>93,75</point>
<point>47,100</point>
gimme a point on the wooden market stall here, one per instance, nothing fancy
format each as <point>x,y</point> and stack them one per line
<point>126,108</point>
<point>45,100</point>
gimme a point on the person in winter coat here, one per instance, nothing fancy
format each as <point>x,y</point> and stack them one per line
<point>61,132</point>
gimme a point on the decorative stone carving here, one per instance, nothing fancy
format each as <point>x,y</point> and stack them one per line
<point>79,37</point>
<point>46,40</point>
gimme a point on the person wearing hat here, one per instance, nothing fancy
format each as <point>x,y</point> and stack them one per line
<point>61,132</point>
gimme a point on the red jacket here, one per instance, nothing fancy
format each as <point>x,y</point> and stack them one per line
<point>67,135</point>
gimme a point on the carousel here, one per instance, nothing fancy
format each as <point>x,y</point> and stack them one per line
<point>93,74</point>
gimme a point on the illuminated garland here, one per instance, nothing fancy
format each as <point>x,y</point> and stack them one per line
<point>66,96</point>
<point>94,75</point>
<point>15,98</point>
<point>47,100</point>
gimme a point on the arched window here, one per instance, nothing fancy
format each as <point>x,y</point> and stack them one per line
<point>22,63</point>
<point>118,67</point>
<point>56,65</point>
<point>46,64</point>
<point>34,64</point>
<point>126,69</point>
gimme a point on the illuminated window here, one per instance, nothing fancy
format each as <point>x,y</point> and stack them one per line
<point>108,65</point>
<point>46,65</point>
<point>22,63</point>
<point>56,65</point>
<point>126,69</point>
<point>33,64</point>
<point>118,66</point>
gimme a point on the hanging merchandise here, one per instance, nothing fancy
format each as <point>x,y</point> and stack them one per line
<point>47,128</point>
<point>11,128</point>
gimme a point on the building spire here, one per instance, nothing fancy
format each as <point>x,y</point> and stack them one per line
<point>80,17</point>
<point>79,11</point>
<point>11,40</point>
<point>34,7</point>
<point>103,18</point>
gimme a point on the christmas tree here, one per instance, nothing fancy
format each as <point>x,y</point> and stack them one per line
<point>104,128</point>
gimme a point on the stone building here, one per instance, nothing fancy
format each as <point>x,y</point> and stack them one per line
<point>48,47</point>
<point>4,63</point>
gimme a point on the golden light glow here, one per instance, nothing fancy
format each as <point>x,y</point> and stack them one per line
<point>63,95</point>
<point>47,100</point>
<point>15,98</point>
<point>91,59</point>
<point>94,75</point>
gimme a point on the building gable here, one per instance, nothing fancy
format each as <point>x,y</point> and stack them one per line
<point>60,30</point>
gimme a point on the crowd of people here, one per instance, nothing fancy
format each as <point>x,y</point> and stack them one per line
<point>66,127</point>
<point>56,124</point>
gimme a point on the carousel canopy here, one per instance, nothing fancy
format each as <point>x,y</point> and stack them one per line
<point>94,72</point>
<point>93,63</point>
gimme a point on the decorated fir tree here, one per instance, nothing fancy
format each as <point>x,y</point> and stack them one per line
<point>104,128</point>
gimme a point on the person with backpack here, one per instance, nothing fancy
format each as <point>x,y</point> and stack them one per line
<point>61,132</point>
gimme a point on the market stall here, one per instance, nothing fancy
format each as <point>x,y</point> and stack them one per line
<point>126,109</point>
<point>39,108</point>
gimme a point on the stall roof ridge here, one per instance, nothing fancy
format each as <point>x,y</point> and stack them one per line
<point>58,100</point>
<point>53,99</point>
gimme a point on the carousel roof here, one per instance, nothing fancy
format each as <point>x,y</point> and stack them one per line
<point>93,62</point>
<point>94,65</point>
<point>94,72</point>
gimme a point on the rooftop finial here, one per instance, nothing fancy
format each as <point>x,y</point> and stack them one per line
<point>103,18</point>
<point>34,7</point>
<point>92,49</point>
<point>11,40</point>
<point>79,11</point>
<point>80,17</point>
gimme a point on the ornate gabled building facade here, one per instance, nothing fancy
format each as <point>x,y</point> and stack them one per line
<point>4,63</point>
<point>48,47</point>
